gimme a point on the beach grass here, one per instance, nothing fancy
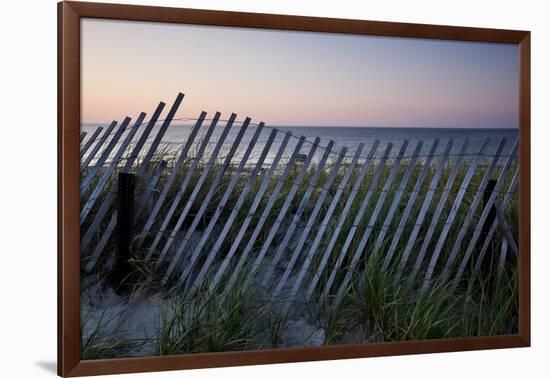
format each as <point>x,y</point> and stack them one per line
<point>377,305</point>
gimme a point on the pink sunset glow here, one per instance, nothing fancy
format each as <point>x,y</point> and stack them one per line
<point>296,78</point>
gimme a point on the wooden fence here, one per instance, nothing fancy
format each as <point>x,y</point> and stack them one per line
<point>239,201</point>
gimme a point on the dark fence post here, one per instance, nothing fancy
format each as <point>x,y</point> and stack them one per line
<point>125,226</point>
<point>298,162</point>
<point>485,267</point>
<point>492,214</point>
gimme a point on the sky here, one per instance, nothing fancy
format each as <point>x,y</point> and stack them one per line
<point>296,78</point>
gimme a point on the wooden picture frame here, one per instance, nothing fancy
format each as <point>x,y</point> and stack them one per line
<point>69,100</point>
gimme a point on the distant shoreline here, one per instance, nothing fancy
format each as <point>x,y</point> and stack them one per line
<point>97,124</point>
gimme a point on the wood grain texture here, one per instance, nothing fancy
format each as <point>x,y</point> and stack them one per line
<point>284,22</point>
<point>68,200</point>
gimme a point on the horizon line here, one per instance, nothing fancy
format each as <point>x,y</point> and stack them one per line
<point>345,126</point>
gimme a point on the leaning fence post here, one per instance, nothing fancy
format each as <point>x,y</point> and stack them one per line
<point>298,163</point>
<point>492,214</point>
<point>487,261</point>
<point>125,225</point>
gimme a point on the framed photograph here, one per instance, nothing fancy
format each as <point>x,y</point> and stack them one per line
<point>240,188</point>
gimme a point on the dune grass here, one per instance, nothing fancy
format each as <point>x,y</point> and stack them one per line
<point>210,323</point>
<point>98,343</point>
<point>377,306</point>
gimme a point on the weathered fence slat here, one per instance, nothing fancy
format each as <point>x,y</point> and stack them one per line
<point>242,196</point>
<point>94,227</point>
<point>182,158</point>
<point>480,223</point>
<point>289,232</point>
<point>357,220</point>
<point>98,189</point>
<point>263,217</point>
<point>90,142</point>
<point>137,149</point>
<point>507,240</point>
<point>435,218</point>
<point>205,201</point>
<point>488,239</point>
<point>244,226</point>
<point>397,197</point>
<point>92,172</point>
<point>302,271</point>
<point>506,227</point>
<point>109,198</point>
<point>288,201</point>
<point>152,216</point>
<point>190,264</point>
<point>92,261</point>
<point>455,209</point>
<point>342,218</point>
<point>183,187</point>
<point>310,223</point>
<point>179,195</point>
<point>145,134</point>
<point>473,208</point>
<point>149,189</point>
<point>144,166</point>
<point>396,237</point>
<point>502,258</point>
<point>97,147</point>
<point>190,200</point>
<point>361,248</point>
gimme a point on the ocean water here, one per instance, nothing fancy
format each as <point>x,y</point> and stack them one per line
<point>350,137</point>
